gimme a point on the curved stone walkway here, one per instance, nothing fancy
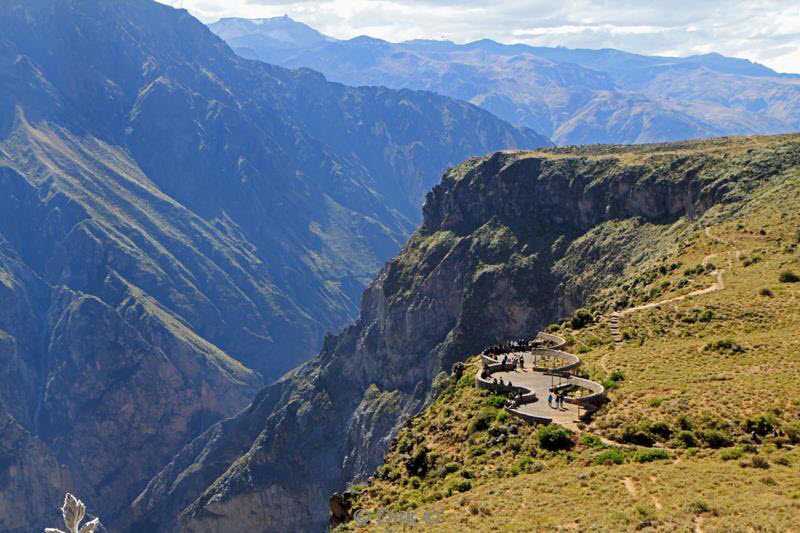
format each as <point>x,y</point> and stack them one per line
<point>546,371</point>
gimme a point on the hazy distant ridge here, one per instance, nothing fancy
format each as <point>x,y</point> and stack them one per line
<point>571,95</point>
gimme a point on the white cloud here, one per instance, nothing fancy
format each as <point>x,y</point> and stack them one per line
<point>764,31</point>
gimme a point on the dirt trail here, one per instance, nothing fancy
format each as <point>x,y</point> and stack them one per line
<point>698,525</point>
<point>657,503</point>
<point>719,284</point>
<point>630,486</point>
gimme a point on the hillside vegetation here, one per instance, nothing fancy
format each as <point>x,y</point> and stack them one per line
<point>703,424</point>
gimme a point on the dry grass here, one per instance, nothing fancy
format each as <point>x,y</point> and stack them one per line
<point>676,359</point>
<point>665,496</point>
<point>707,362</point>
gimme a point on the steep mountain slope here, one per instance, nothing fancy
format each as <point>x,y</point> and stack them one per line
<point>510,242</point>
<point>704,417</point>
<point>573,96</point>
<point>179,226</point>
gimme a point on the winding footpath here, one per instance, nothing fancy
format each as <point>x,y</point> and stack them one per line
<point>615,319</point>
<point>547,370</point>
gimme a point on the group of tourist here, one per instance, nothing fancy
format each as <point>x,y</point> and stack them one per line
<point>517,361</point>
<point>559,398</point>
<point>501,384</point>
<point>514,400</point>
<point>508,351</point>
<point>508,347</point>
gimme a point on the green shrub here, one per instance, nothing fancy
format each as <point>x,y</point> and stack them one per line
<point>761,425</point>
<point>634,434</point>
<point>467,380</point>
<point>476,451</point>
<point>747,261</point>
<point>792,433</point>
<point>731,454</point>
<point>759,462</point>
<point>382,472</point>
<point>697,269</point>
<point>515,445</point>
<point>593,340</point>
<point>698,507</point>
<point>554,438</point>
<point>617,375</point>
<point>655,402</point>
<point>592,441</point>
<point>683,422</point>
<point>706,316</point>
<point>581,318</point>
<point>661,430</point>
<point>613,456</point>
<point>787,276</point>
<point>523,464</point>
<point>502,416</point>
<point>417,463</point>
<point>495,400</point>
<point>584,349</point>
<point>452,467</point>
<point>686,438</point>
<point>394,474</point>
<point>458,485</point>
<point>482,420</point>
<point>552,328</point>
<point>724,346</point>
<point>648,456</point>
<point>610,385</point>
<point>714,438</point>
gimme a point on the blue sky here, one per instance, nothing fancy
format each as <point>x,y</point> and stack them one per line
<point>763,31</point>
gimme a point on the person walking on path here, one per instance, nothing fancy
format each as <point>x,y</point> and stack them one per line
<point>550,399</point>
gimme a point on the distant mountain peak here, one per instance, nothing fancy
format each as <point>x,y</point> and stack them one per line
<point>283,29</point>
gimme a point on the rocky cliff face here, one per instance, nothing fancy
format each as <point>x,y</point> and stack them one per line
<point>30,476</point>
<point>179,226</point>
<point>510,242</point>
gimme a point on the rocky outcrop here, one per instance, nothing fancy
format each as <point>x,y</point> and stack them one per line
<point>32,481</point>
<point>510,242</point>
<point>341,507</point>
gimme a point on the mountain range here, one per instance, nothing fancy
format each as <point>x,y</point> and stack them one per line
<point>178,227</point>
<point>182,227</point>
<point>573,96</point>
